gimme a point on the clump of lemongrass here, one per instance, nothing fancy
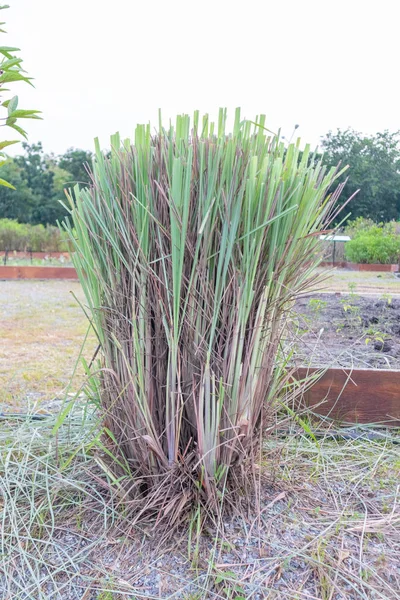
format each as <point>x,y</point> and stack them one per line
<point>191,244</point>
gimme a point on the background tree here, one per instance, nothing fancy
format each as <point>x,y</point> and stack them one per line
<point>17,203</point>
<point>40,180</point>
<point>46,181</point>
<point>374,169</point>
<point>75,162</point>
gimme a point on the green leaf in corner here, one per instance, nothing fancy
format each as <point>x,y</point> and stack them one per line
<point>14,76</point>
<point>10,62</point>
<point>5,143</point>
<point>20,130</point>
<point>24,114</point>
<point>12,105</point>
<point>6,184</point>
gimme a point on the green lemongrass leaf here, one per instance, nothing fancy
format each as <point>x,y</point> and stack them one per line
<point>190,249</point>
<point>7,49</point>
<point>260,126</point>
<point>282,214</point>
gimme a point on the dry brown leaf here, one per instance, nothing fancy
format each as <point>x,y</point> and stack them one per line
<point>376,525</point>
<point>343,554</point>
<point>280,496</point>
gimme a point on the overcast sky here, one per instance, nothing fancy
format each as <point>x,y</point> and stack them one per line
<point>102,66</point>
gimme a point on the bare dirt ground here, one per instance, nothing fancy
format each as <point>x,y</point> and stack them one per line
<point>351,319</point>
<point>348,330</point>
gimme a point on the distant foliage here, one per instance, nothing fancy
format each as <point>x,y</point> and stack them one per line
<point>372,243</point>
<point>76,162</point>
<point>359,225</point>
<point>374,163</point>
<point>36,238</point>
<point>39,180</point>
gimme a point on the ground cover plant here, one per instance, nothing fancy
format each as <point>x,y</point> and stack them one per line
<point>48,260</point>
<point>191,245</point>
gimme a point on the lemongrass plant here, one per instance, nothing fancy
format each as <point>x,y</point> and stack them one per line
<point>190,245</point>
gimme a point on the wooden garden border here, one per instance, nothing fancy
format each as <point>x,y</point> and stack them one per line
<point>354,395</point>
<point>362,267</point>
<point>29,272</point>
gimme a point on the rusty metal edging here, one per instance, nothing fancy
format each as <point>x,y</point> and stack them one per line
<point>354,395</point>
<point>31,272</point>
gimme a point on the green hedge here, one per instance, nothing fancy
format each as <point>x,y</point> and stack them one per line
<point>372,243</point>
<point>36,238</point>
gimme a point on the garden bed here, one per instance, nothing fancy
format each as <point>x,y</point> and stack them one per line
<point>356,340</point>
<point>347,331</point>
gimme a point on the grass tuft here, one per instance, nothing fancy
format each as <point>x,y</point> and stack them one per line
<point>191,245</point>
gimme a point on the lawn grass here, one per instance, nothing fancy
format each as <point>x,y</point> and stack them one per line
<point>341,280</point>
<point>35,262</point>
<point>42,328</point>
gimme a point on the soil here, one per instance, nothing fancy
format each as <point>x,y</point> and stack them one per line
<point>344,330</point>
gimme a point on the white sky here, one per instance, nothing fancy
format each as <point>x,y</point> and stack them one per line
<point>102,66</point>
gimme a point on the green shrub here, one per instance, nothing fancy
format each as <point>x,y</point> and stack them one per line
<point>191,245</point>
<point>359,225</point>
<point>374,244</point>
<point>13,235</point>
<point>362,225</point>
<point>23,237</point>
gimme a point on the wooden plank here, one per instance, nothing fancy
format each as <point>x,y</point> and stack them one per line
<point>361,267</point>
<point>355,395</point>
<point>38,273</point>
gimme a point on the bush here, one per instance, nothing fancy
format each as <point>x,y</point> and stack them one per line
<point>23,237</point>
<point>190,247</point>
<point>374,244</point>
<point>359,225</point>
